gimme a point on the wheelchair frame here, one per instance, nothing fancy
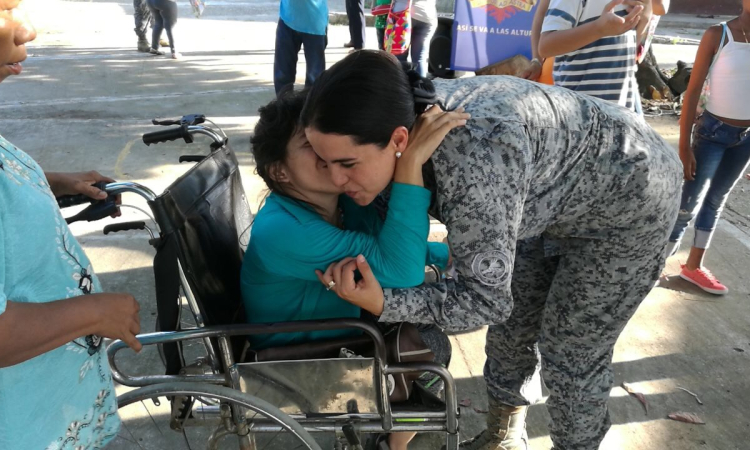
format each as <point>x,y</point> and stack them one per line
<point>224,368</point>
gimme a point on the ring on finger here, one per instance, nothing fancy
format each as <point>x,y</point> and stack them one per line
<point>331,285</point>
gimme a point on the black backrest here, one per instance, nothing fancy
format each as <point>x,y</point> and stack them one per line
<point>205,218</point>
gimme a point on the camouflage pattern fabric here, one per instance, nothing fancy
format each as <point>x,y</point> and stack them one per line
<point>558,207</point>
<point>142,17</point>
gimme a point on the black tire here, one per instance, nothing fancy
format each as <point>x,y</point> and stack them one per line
<point>141,427</point>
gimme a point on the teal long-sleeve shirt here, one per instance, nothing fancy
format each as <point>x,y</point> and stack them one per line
<point>289,241</point>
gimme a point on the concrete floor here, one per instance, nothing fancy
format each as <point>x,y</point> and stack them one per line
<point>86,96</point>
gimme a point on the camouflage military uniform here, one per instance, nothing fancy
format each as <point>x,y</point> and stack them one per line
<point>142,17</point>
<point>558,207</point>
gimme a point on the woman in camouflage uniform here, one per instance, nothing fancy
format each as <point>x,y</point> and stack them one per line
<point>558,207</point>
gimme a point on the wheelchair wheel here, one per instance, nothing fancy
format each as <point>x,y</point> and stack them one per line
<point>197,415</point>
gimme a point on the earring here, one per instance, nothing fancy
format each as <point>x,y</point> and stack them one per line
<point>398,155</point>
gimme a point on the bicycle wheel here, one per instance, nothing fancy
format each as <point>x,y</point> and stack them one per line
<point>151,421</point>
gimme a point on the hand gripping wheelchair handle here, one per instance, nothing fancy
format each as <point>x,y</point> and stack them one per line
<point>169,134</point>
<point>66,201</point>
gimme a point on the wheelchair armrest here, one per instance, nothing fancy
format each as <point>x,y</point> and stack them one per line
<point>234,330</point>
<point>320,349</point>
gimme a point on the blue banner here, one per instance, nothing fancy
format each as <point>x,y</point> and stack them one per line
<point>489,31</point>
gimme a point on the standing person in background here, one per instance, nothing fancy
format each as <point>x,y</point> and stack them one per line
<point>164,13</point>
<point>423,25</point>
<point>715,148</point>
<point>380,21</point>
<point>142,17</point>
<point>301,22</point>
<point>355,12</point>
<point>594,44</point>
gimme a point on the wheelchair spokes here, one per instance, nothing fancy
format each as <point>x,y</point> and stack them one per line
<point>179,420</point>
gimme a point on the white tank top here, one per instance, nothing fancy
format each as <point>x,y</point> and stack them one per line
<point>729,81</point>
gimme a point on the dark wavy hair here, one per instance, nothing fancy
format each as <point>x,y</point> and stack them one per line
<point>278,123</point>
<point>366,95</point>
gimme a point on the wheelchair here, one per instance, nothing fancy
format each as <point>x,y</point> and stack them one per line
<point>208,392</point>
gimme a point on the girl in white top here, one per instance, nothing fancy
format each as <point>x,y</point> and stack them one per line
<point>715,148</point>
<point>424,23</point>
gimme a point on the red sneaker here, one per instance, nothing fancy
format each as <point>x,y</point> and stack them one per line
<point>704,279</point>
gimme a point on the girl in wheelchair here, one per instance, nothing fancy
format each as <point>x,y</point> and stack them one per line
<point>306,224</point>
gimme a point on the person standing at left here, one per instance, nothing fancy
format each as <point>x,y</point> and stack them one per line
<point>56,391</point>
<point>301,23</point>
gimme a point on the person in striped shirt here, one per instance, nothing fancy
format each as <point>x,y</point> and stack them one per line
<point>594,45</point>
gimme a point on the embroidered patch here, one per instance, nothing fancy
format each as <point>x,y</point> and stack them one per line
<point>491,268</point>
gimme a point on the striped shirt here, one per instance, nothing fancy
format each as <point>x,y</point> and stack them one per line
<point>606,67</point>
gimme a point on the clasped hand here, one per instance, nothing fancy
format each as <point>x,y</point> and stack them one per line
<point>365,293</point>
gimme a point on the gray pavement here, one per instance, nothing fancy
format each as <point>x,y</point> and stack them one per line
<point>86,96</point>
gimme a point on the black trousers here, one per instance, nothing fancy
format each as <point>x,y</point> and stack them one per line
<point>355,11</point>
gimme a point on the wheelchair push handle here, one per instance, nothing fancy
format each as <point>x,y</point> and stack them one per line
<point>186,127</point>
<point>124,226</point>
<point>191,158</point>
<point>170,134</point>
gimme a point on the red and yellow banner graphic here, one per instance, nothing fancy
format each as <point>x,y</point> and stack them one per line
<point>524,5</point>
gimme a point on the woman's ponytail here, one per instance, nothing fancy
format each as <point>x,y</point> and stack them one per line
<point>423,91</point>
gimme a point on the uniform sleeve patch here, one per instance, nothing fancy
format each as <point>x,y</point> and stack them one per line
<point>491,268</point>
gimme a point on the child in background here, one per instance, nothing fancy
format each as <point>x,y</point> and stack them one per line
<point>594,45</point>
<point>720,149</point>
<point>380,11</point>
<point>423,25</point>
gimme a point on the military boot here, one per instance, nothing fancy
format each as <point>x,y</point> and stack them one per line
<point>143,44</point>
<point>506,429</point>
